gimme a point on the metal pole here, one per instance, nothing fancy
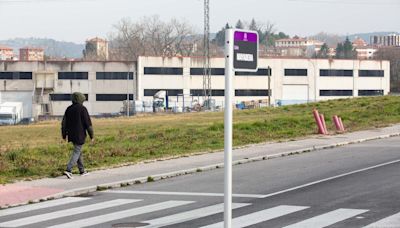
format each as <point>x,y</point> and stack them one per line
<point>269,86</point>
<point>127,94</point>
<point>229,72</point>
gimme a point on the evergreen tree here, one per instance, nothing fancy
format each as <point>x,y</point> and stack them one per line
<point>348,49</point>
<point>345,50</point>
<point>253,25</point>
<point>219,39</point>
<point>282,35</point>
<point>239,25</point>
<point>323,53</point>
<point>339,51</point>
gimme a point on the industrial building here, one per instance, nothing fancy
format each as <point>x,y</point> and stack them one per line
<point>45,86</point>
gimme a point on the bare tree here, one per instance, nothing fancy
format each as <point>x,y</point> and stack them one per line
<point>150,36</point>
<point>393,55</point>
<point>128,42</point>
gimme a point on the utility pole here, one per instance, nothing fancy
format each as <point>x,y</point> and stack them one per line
<point>206,56</point>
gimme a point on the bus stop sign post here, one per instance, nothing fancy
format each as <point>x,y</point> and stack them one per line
<point>241,54</point>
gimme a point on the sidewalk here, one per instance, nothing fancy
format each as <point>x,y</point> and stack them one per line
<point>50,188</point>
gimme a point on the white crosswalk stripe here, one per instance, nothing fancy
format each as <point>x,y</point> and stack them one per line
<point>327,219</point>
<point>260,216</point>
<point>122,214</point>
<point>68,212</point>
<point>37,206</point>
<point>181,216</point>
<point>388,222</point>
<point>182,193</point>
<point>190,215</point>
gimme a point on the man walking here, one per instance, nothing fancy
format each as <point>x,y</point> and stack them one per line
<point>76,122</point>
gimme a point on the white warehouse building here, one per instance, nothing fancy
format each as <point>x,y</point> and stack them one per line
<point>292,80</point>
<point>45,87</point>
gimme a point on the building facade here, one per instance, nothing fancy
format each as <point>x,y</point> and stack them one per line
<point>392,40</point>
<point>6,53</point>
<point>31,54</point>
<point>96,49</point>
<point>45,86</point>
<point>297,47</point>
<point>363,50</point>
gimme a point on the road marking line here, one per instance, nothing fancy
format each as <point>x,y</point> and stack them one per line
<point>190,215</point>
<point>327,219</point>
<point>184,193</point>
<point>391,221</point>
<point>122,214</point>
<point>259,216</point>
<point>331,178</point>
<point>64,213</point>
<point>37,206</point>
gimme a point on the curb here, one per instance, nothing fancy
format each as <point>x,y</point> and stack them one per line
<point>157,177</point>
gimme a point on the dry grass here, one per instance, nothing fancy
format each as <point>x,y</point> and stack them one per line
<point>36,150</point>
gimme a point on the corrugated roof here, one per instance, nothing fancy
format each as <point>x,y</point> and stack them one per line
<point>32,48</point>
<point>97,39</point>
<point>5,48</point>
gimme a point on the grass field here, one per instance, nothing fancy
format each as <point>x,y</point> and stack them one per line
<point>36,151</point>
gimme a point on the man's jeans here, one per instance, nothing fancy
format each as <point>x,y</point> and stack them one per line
<point>76,158</point>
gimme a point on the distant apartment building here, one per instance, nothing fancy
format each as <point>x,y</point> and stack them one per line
<point>364,51</point>
<point>297,42</point>
<point>297,47</point>
<point>392,40</point>
<point>6,53</point>
<point>31,54</point>
<point>96,49</point>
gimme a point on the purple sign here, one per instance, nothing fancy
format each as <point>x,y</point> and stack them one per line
<point>245,50</point>
<point>246,36</point>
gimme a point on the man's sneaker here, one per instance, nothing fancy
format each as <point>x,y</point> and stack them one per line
<point>68,174</point>
<point>84,173</point>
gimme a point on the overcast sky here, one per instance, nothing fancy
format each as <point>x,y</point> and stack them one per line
<point>77,20</point>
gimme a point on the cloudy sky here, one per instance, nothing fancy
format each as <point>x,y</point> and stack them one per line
<point>77,20</point>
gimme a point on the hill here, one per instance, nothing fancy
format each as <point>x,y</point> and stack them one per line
<point>52,47</point>
<point>333,39</point>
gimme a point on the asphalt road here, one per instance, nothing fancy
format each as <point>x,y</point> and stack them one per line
<point>350,186</point>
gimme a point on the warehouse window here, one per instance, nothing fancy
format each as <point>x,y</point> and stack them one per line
<point>164,70</point>
<point>72,75</point>
<point>113,97</point>
<point>259,72</point>
<point>335,93</point>
<point>16,75</point>
<point>113,75</point>
<point>214,71</point>
<point>370,92</point>
<point>63,97</point>
<point>214,92</point>
<point>251,93</point>
<point>296,72</point>
<point>371,73</point>
<point>170,92</point>
<point>336,73</point>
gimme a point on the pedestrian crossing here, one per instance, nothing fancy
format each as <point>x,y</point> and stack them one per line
<point>74,211</point>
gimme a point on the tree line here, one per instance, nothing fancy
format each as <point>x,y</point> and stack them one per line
<point>153,37</point>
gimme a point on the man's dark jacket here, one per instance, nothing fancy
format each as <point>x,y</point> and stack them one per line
<point>76,121</point>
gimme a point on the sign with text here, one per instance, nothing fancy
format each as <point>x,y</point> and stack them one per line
<point>245,50</point>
